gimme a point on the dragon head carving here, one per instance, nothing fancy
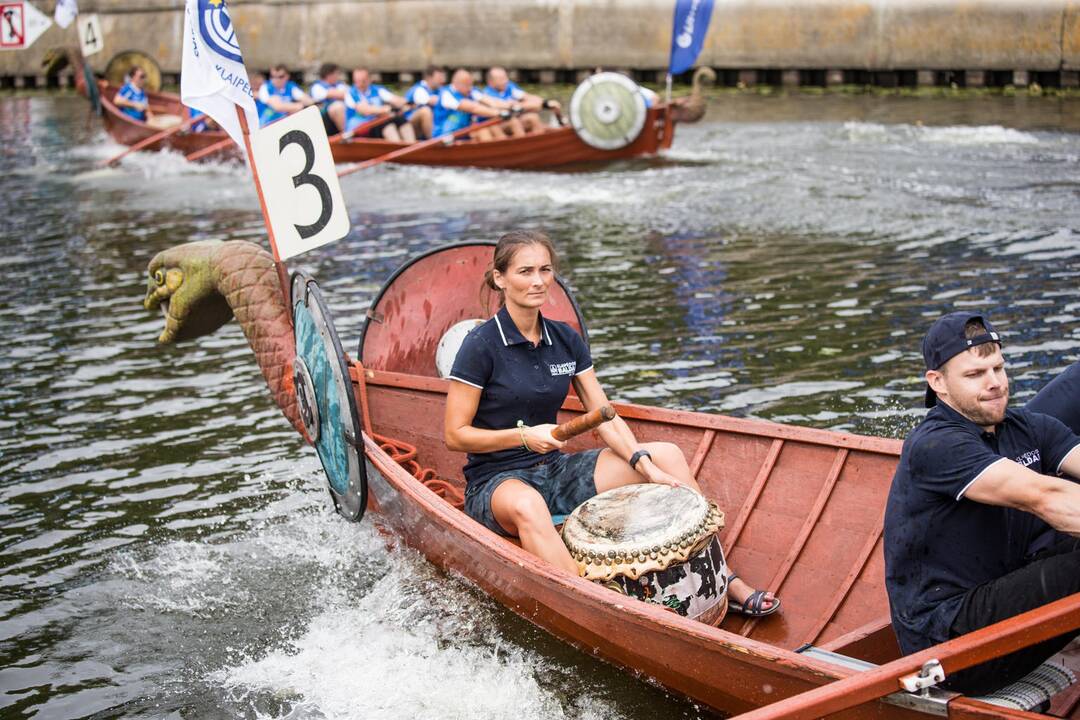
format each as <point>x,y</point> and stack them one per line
<point>183,282</point>
<point>200,286</point>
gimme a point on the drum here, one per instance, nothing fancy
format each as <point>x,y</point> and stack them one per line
<point>656,543</point>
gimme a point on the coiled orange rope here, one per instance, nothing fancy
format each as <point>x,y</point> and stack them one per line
<point>404,455</point>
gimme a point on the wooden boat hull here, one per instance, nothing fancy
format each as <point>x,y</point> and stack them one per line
<point>804,512</point>
<point>719,668</point>
<point>128,131</point>
<point>557,147</point>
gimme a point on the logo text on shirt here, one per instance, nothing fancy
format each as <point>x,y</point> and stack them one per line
<point>566,368</point>
<point>1031,457</point>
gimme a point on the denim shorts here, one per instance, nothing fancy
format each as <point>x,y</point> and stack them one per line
<point>565,481</point>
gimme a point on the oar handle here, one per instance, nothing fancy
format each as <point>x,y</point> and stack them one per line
<point>410,149</point>
<point>583,423</point>
<point>209,150</point>
<point>371,124</point>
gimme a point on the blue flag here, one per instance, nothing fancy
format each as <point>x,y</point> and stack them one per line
<point>688,35</point>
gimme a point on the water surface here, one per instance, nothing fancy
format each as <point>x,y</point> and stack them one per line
<point>166,543</point>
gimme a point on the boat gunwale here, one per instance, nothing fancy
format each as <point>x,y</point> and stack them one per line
<point>684,418</point>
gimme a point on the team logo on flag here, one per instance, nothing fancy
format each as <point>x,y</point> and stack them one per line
<point>217,30</point>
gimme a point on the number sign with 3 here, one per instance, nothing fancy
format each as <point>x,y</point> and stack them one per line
<point>300,187</point>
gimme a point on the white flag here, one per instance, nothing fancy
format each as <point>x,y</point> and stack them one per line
<point>213,77</point>
<point>65,13</point>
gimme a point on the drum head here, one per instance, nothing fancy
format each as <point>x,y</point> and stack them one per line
<point>636,529</point>
<point>326,400</point>
<point>608,111</point>
<point>122,63</point>
<point>450,343</point>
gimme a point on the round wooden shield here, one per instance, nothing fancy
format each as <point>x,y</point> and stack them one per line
<point>409,319</point>
<point>608,111</point>
<point>325,396</point>
<point>122,63</point>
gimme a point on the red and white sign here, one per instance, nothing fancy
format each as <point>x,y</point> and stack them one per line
<point>20,25</point>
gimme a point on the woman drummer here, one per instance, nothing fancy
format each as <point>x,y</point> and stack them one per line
<point>510,378</point>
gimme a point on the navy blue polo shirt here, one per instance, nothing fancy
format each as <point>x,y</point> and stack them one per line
<point>520,381</point>
<point>939,544</point>
<point>1061,398</point>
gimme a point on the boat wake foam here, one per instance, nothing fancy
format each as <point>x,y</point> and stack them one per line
<point>979,135</point>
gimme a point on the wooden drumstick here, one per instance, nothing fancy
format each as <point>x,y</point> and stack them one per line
<point>583,423</point>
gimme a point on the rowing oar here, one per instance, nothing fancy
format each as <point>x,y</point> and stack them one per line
<point>150,141</point>
<point>415,147</point>
<point>369,125</point>
<point>583,423</point>
<point>334,139</point>
<point>994,641</point>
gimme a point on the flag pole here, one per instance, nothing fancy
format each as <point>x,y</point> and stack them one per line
<point>279,265</point>
<point>668,88</point>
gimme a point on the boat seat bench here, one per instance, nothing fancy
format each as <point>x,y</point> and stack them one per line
<point>1031,691</point>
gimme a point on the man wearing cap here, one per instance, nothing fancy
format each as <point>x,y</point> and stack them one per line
<point>975,487</point>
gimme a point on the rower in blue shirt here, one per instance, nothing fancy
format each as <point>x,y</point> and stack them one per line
<point>366,102</point>
<point>423,96</point>
<point>131,98</point>
<point>330,92</point>
<point>501,87</point>
<point>460,101</point>
<point>281,96</point>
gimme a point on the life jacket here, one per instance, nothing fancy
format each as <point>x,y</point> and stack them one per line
<point>134,94</point>
<point>448,118</point>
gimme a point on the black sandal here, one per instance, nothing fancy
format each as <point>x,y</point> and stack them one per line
<point>752,606</point>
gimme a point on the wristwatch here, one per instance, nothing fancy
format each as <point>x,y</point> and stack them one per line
<point>637,456</point>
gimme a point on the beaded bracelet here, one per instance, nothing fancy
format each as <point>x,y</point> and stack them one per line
<point>521,432</point>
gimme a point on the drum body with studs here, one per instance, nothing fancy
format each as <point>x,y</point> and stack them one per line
<point>607,111</point>
<point>325,398</point>
<point>656,543</point>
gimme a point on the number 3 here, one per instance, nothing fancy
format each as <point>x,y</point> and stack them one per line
<point>307,178</point>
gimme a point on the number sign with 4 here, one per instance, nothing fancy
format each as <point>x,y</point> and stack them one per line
<point>90,37</point>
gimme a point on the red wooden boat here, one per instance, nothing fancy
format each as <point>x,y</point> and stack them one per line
<point>553,148</point>
<point>804,506</point>
<point>129,131</point>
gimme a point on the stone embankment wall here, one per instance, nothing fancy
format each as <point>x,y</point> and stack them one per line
<point>777,41</point>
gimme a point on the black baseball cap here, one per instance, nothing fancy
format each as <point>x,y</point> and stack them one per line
<point>945,339</point>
